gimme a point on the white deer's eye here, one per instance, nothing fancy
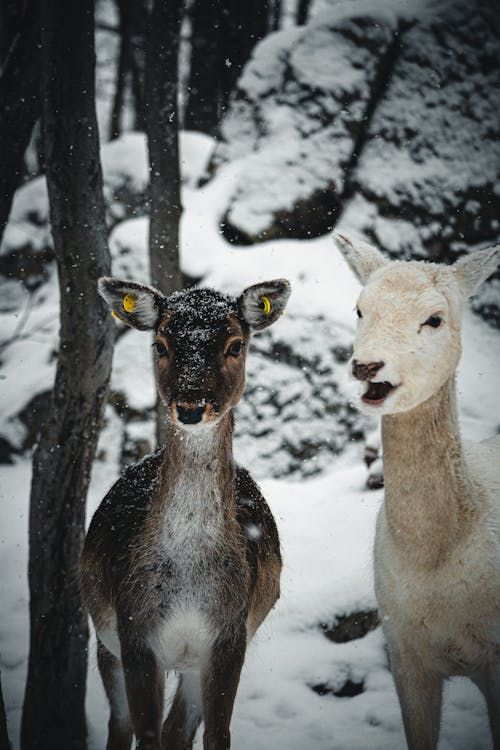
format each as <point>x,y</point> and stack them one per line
<point>359,313</point>
<point>434,321</point>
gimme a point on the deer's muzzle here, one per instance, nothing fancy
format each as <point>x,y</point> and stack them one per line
<point>189,413</point>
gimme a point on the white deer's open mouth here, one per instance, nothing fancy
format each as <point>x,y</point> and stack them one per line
<point>377,392</point>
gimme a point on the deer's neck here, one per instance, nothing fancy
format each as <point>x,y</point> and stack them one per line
<point>196,482</point>
<point>428,501</point>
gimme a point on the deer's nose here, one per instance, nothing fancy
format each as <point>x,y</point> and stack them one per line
<point>190,414</point>
<point>365,371</point>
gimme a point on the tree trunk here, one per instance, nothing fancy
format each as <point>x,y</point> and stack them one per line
<point>121,74</point>
<point>53,714</point>
<point>302,12</point>
<point>133,15</point>
<point>204,99</point>
<point>245,24</point>
<point>162,124</point>
<point>19,107</point>
<point>223,35</point>
<point>274,15</point>
<point>138,22</point>
<point>4,735</point>
<point>11,17</point>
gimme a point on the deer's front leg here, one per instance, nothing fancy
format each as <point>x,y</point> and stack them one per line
<point>420,694</point>
<point>220,681</point>
<point>489,684</point>
<point>144,680</point>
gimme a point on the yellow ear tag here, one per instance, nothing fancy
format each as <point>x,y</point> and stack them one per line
<point>266,305</point>
<point>129,303</point>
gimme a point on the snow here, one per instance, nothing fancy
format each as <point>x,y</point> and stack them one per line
<point>30,207</point>
<point>124,160</point>
<point>128,248</point>
<point>29,330</point>
<point>125,177</point>
<point>326,529</point>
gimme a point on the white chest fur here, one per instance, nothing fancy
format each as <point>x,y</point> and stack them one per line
<point>193,522</point>
<point>193,529</point>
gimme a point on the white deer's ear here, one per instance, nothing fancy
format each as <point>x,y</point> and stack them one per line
<point>472,270</point>
<point>137,305</point>
<point>363,259</point>
<point>262,304</point>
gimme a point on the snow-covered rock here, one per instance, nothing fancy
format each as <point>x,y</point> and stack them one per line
<point>296,120</point>
<point>431,158</point>
<point>387,118</point>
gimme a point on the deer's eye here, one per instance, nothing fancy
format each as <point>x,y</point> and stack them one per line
<point>160,348</point>
<point>434,321</point>
<point>235,349</point>
<point>359,313</point>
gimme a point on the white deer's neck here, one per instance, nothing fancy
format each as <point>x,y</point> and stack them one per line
<point>428,501</point>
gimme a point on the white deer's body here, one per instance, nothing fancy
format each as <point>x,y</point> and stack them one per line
<point>437,544</point>
<point>437,557</point>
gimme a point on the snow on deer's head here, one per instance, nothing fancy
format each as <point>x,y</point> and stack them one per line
<point>407,343</point>
<point>201,337</point>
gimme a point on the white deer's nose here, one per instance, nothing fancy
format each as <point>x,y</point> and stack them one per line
<point>365,370</point>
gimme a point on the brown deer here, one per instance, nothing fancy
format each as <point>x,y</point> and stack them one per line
<point>182,563</point>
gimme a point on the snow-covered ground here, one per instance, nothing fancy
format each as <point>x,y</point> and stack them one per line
<point>326,522</point>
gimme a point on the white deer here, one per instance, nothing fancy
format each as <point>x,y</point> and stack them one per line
<point>437,542</point>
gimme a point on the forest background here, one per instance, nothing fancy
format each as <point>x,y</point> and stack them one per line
<point>219,143</point>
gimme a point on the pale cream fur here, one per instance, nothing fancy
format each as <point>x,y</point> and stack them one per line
<point>437,545</point>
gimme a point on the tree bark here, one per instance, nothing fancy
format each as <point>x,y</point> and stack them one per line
<point>121,74</point>
<point>223,35</point>
<point>19,106</point>
<point>11,16</point>
<point>204,96</point>
<point>4,735</point>
<point>162,123</point>
<point>138,22</point>
<point>53,713</point>
<point>274,15</point>
<point>302,12</point>
<point>245,25</point>
<point>130,69</point>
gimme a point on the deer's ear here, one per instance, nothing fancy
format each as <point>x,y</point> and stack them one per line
<point>262,304</point>
<point>363,259</point>
<point>473,269</point>
<point>136,305</point>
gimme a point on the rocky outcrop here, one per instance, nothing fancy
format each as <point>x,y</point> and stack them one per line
<point>430,164</point>
<point>300,110</point>
<point>389,125</point>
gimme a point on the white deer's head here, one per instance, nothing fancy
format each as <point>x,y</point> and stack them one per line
<point>407,343</point>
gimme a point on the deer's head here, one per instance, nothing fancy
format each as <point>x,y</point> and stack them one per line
<point>407,342</point>
<point>201,339</point>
